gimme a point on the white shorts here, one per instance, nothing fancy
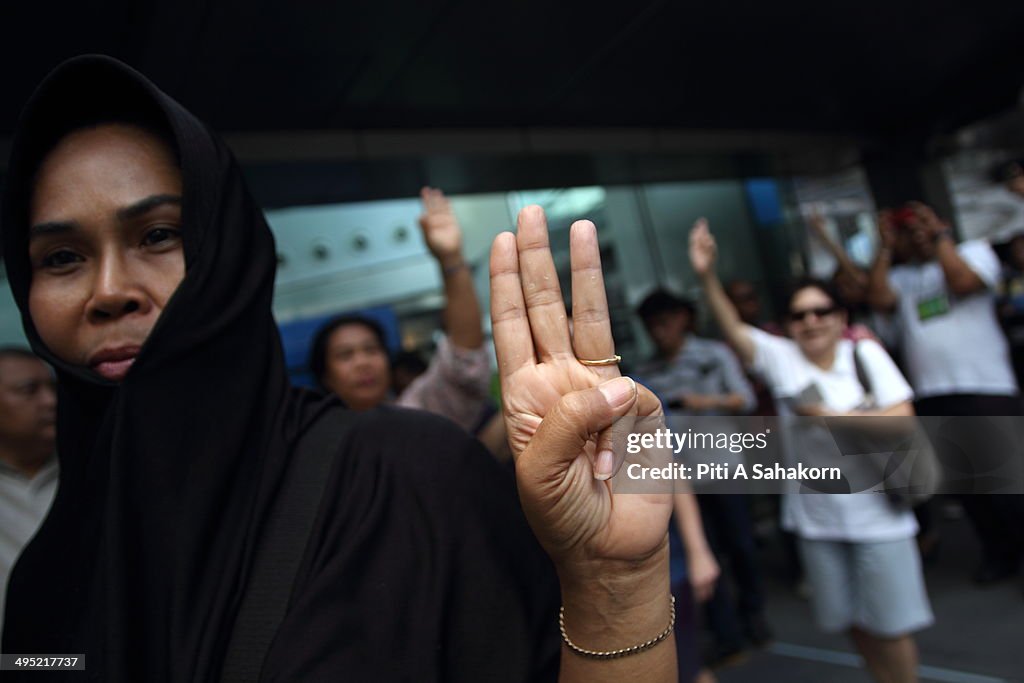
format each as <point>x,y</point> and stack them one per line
<point>876,586</point>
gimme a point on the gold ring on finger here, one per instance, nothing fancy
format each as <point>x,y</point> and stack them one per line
<point>614,360</point>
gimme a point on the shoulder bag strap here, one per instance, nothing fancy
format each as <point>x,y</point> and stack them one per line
<point>280,550</point>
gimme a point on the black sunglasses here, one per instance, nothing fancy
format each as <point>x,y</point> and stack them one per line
<point>799,316</point>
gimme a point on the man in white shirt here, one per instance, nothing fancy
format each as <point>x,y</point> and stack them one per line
<point>954,350</point>
<point>701,378</point>
<point>28,468</point>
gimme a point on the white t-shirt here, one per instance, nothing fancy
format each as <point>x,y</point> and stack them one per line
<point>23,505</point>
<point>860,517</point>
<point>952,345</point>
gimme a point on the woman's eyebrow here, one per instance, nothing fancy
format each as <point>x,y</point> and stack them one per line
<point>144,205</point>
<point>40,230</point>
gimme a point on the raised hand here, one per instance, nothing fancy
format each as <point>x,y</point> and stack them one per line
<point>816,222</point>
<point>703,250</point>
<point>441,229</point>
<point>558,411</point>
<point>926,219</point>
<point>886,228</point>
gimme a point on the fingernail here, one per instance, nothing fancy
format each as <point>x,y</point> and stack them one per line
<point>603,465</point>
<point>619,391</point>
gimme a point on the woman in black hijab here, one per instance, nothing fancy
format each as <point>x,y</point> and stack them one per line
<point>144,274</point>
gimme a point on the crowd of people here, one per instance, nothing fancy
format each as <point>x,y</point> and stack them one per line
<point>185,456</point>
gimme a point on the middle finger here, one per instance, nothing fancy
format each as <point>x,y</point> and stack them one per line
<point>541,291</point>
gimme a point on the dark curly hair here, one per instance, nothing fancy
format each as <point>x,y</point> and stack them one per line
<point>663,301</point>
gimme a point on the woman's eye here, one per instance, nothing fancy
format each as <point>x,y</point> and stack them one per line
<point>60,259</point>
<point>161,236</point>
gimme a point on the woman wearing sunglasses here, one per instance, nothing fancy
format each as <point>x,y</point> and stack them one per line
<point>858,550</point>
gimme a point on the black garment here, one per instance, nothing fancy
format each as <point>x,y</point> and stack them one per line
<point>730,533</point>
<point>996,518</point>
<point>420,565</point>
<point>1011,317</point>
<point>685,635</point>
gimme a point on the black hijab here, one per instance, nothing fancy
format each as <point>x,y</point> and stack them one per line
<point>167,477</point>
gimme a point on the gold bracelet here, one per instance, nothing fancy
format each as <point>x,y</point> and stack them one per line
<point>624,652</point>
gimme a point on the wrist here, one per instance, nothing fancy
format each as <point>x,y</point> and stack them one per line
<point>697,553</point>
<point>709,402</point>
<point>707,277</point>
<point>616,610</point>
<point>615,587</point>
<point>452,264</point>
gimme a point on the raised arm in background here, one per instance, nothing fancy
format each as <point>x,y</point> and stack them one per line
<point>847,267</point>
<point>703,253</point>
<point>881,295</point>
<point>960,278</point>
<point>443,235</point>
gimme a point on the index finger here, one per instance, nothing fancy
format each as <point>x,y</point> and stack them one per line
<point>510,325</point>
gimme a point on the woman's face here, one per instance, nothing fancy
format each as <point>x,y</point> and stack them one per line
<point>105,245</point>
<point>815,323</point>
<point>357,367</point>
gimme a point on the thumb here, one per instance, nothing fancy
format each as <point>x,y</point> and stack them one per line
<point>569,424</point>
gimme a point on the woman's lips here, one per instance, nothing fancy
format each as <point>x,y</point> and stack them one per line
<point>114,370</point>
<point>113,364</point>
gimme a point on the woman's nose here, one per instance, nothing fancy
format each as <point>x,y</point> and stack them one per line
<point>363,359</point>
<point>116,291</point>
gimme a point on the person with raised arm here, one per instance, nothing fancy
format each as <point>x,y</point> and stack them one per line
<point>943,295</point>
<point>858,550</point>
<point>349,356</point>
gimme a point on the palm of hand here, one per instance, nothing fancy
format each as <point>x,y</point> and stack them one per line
<point>530,392</point>
<point>442,233</point>
<point>702,247</point>
<point>441,229</point>
<point>591,516</point>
